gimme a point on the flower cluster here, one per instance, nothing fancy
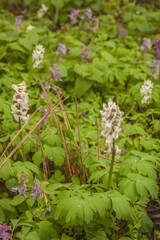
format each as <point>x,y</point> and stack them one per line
<point>84,55</point>
<point>157,48</point>
<point>155,68</point>
<point>36,191</point>
<point>146,91</point>
<point>55,72</point>
<point>61,50</point>
<point>19,22</point>
<point>38,55</point>
<point>111,121</point>
<point>73,16</point>
<point>29,28</point>
<point>42,10</point>
<point>146,45</point>
<point>87,19</point>
<point>3,234</point>
<point>20,99</point>
<point>21,189</point>
<point>156,65</point>
<point>121,31</point>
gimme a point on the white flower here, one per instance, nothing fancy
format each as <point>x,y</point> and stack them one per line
<point>111,120</point>
<point>146,91</point>
<point>61,50</point>
<point>20,99</point>
<point>42,10</point>
<point>38,56</point>
<point>29,28</point>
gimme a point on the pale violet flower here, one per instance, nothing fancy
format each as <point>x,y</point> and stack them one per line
<point>3,234</point>
<point>155,68</point>
<point>29,28</point>
<point>42,10</point>
<point>146,91</point>
<point>55,73</point>
<point>20,99</point>
<point>38,56</point>
<point>146,45</point>
<point>111,121</point>
<point>61,50</point>
<point>36,191</point>
<point>73,16</point>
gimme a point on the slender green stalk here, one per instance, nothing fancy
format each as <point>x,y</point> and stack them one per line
<point>111,168</point>
<point>22,152</point>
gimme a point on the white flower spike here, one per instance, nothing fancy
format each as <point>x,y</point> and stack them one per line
<point>20,99</point>
<point>111,120</point>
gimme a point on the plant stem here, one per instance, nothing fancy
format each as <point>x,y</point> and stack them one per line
<point>111,168</point>
<point>22,152</point>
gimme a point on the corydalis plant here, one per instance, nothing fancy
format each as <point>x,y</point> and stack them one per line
<point>19,22</point>
<point>155,68</point>
<point>55,73</point>
<point>121,31</point>
<point>146,46</point>
<point>42,11</point>
<point>146,91</point>
<point>36,191</point>
<point>61,51</point>
<point>20,99</point>
<point>84,55</point>
<point>3,234</point>
<point>73,16</point>
<point>38,56</point>
<point>21,189</point>
<point>111,121</point>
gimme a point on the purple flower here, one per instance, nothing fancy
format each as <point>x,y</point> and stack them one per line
<point>95,23</point>
<point>19,22</point>
<point>21,189</point>
<point>43,112</point>
<point>155,68</point>
<point>121,31</point>
<point>61,50</point>
<point>157,48</point>
<point>84,114</point>
<point>87,14</point>
<point>3,234</point>
<point>146,45</point>
<point>36,191</point>
<point>73,16</point>
<point>84,55</point>
<point>55,72</point>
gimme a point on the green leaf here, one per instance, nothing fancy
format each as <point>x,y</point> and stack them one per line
<point>56,154</point>
<point>82,85</point>
<point>46,230</point>
<point>17,200</point>
<point>2,215</point>
<point>6,204</point>
<point>108,57</point>
<point>33,235</point>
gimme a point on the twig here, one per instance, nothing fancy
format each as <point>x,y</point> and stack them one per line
<point>55,117</point>
<point>9,144</point>
<point>111,168</point>
<point>84,177</point>
<point>56,18</point>
<point>43,158</point>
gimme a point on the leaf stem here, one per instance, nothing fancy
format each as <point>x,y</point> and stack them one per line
<point>111,168</point>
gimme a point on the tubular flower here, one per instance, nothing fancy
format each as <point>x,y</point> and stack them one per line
<point>20,99</point>
<point>3,234</point>
<point>42,10</point>
<point>73,16</point>
<point>155,68</point>
<point>146,45</point>
<point>111,121</point>
<point>21,189</point>
<point>38,56</point>
<point>61,50</point>
<point>29,28</point>
<point>146,91</point>
<point>55,72</point>
<point>36,191</point>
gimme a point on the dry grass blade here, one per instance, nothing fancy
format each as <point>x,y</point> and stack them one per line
<point>55,117</point>
<point>9,144</point>
<point>43,158</point>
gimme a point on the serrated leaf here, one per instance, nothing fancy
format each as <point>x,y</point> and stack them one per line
<point>56,154</point>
